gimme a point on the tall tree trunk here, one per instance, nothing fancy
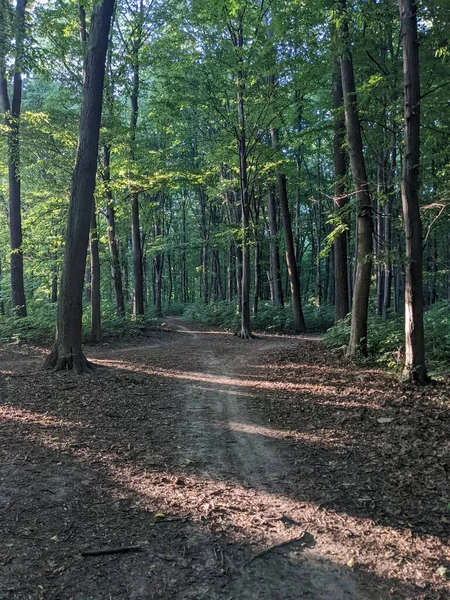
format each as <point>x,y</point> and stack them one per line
<point>358,335</point>
<point>12,118</point>
<point>112,239</point>
<point>67,353</point>
<point>341,291</point>
<point>245,195</point>
<point>138,269</point>
<point>96,328</point>
<point>277,285</point>
<point>294,277</point>
<point>415,367</point>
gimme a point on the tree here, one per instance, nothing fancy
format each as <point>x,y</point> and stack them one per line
<point>67,352</point>
<point>415,367</point>
<point>360,308</point>
<point>11,110</point>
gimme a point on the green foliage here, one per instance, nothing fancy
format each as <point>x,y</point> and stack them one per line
<point>225,315</point>
<point>386,338</point>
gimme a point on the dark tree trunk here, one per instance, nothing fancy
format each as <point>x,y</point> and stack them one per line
<point>415,367</point>
<point>67,353</point>
<point>341,291</point>
<point>54,293</point>
<point>245,195</point>
<point>204,257</point>
<point>275,275</point>
<point>138,269</point>
<point>12,118</point>
<point>96,328</point>
<point>364,242</point>
<point>112,240</point>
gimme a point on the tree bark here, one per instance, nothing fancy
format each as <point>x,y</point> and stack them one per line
<point>294,278</point>
<point>67,352</point>
<point>245,196</point>
<point>341,291</point>
<point>138,274</point>
<point>415,367</point>
<point>116,275</point>
<point>12,123</point>
<point>277,286</point>
<point>364,242</point>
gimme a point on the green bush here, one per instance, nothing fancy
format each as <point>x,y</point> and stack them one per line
<point>385,338</point>
<point>225,315</point>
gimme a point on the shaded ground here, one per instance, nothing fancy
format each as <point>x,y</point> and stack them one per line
<point>205,451</point>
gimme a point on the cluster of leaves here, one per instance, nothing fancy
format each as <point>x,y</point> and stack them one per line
<point>386,338</point>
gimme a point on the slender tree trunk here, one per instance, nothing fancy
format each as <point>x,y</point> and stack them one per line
<point>111,230</point>
<point>138,270</point>
<point>294,277</point>
<point>12,118</point>
<point>96,328</point>
<point>341,291</point>
<point>67,353</point>
<point>292,267</point>
<point>415,367</point>
<point>277,285</point>
<point>358,335</point>
<point>245,197</point>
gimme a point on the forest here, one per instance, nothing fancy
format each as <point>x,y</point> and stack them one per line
<point>235,211</point>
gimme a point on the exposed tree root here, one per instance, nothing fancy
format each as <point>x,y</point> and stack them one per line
<point>245,335</point>
<point>68,361</point>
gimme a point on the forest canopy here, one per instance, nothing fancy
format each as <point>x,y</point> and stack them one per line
<point>260,164</point>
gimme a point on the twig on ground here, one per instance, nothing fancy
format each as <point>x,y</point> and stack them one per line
<point>275,547</point>
<point>118,550</point>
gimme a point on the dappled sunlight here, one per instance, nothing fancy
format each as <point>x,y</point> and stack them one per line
<point>225,507</point>
<point>333,438</point>
<point>11,413</point>
<point>236,382</point>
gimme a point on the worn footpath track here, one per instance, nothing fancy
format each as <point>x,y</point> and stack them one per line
<point>229,469</point>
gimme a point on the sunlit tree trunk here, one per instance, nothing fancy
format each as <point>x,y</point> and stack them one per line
<point>12,111</point>
<point>415,367</point>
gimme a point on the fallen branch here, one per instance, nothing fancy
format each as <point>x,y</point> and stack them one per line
<point>276,546</point>
<point>119,550</point>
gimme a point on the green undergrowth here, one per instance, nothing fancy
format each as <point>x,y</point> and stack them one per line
<point>225,315</point>
<point>39,326</point>
<point>385,339</point>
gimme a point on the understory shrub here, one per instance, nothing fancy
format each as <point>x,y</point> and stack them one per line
<point>385,338</point>
<point>225,315</point>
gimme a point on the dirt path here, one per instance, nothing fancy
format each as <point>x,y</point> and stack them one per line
<point>209,453</point>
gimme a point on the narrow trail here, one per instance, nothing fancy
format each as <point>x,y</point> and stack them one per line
<point>242,470</point>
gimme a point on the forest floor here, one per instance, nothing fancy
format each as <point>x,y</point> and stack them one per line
<point>262,469</point>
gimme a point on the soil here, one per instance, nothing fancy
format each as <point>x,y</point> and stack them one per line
<point>231,469</point>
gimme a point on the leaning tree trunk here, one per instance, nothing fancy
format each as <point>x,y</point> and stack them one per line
<point>415,367</point>
<point>67,352</point>
<point>364,242</point>
<point>341,292</point>
<point>96,327</point>
<point>292,266</point>
<point>12,117</point>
